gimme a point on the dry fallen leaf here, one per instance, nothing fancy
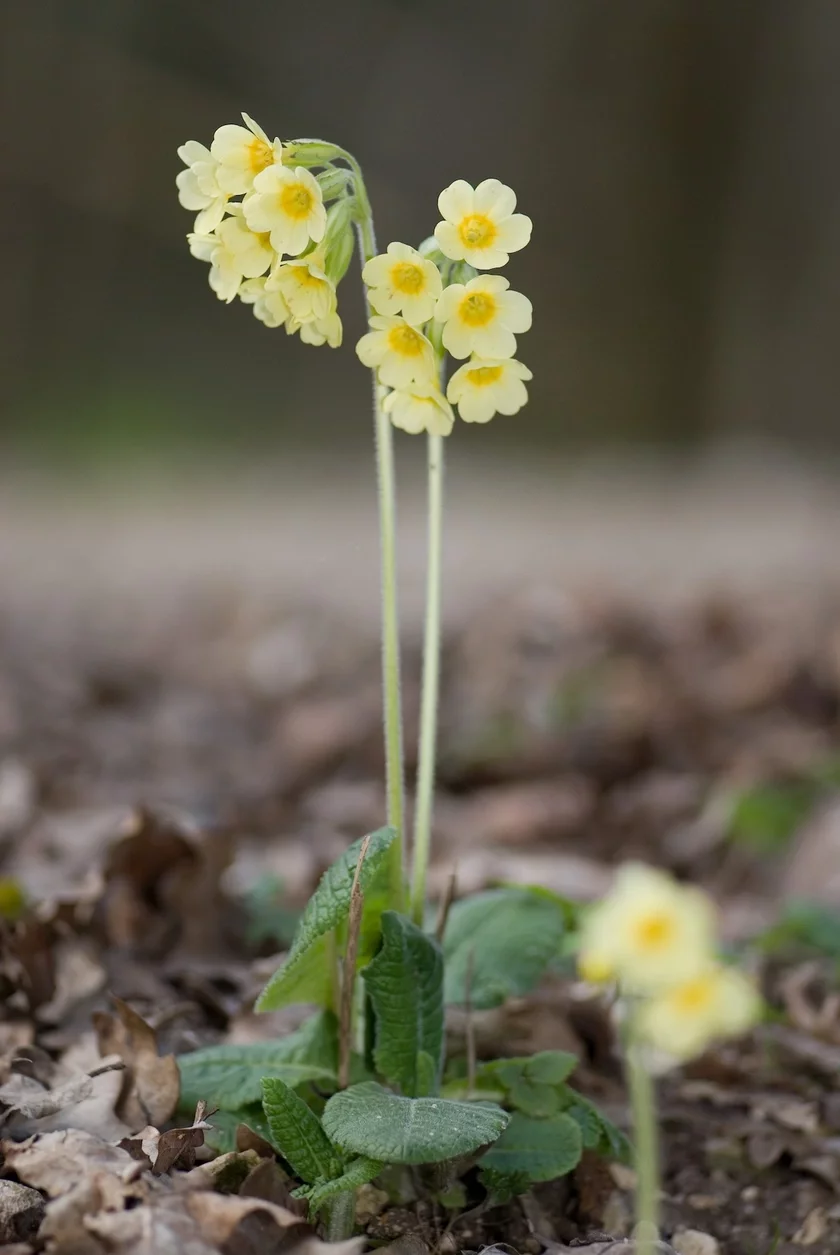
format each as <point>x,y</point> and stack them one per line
<point>152,1083</point>
<point>21,1212</point>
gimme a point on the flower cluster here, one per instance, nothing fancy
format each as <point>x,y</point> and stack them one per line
<point>656,939</point>
<point>265,229</point>
<point>432,301</point>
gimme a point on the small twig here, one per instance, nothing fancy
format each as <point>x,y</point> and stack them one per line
<point>470,1025</point>
<point>354,924</point>
<point>446,903</point>
<point>117,1065</point>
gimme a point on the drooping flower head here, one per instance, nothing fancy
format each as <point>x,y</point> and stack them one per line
<point>487,386</point>
<point>306,289</point>
<point>399,352</point>
<point>479,225</point>
<point>482,316</point>
<point>289,205</point>
<point>649,933</point>
<point>234,253</point>
<point>401,281</point>
<point>420,407</point>
<point>241,153</point>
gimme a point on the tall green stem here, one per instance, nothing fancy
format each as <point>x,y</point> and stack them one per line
<point>392,705</point>
<point>643,1105</point>
<point>431,684</point>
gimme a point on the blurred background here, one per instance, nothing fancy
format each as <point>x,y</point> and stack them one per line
<point>679,162</point>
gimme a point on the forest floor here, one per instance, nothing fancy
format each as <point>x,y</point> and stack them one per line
<point>635,667</point>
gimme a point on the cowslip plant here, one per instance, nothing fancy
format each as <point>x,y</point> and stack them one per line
<point>364,1084</point>
<point>654,939</point>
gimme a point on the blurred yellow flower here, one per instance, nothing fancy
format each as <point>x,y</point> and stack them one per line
<point>400,353</point>
<point>234,253</point>
<point>327,330</point>
<point>649,933</point>
<point>289,206</point>
<point>269,307</point>
<point>306,289</point>
<point>420,407</point>
<point>198,187</point>
<point>401,281</point>
<point>241,153</point>
<point>479,224</point>
<point>482,316</point>
<point>684,1020</point>
<point>487,386</point>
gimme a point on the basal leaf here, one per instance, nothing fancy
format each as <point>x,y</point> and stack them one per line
<point>528,1151</point>
<point>368,1120</point>
<point>512,935</point>
<point>405,984</point>
<point>598,1133</point>
<point>297,1133</point>
<point>230,1076</point>
<point>305,976</point>
<point>358,1172</point>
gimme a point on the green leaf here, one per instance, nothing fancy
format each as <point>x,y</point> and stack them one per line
<point>512,935</point>
<point>528,1151</point>
<point>804,926</point>
<point>297,1133</point>
<point>306,975</point>
<point>221,1136</point>
<point>598,1133</point>
<point>230,1076</point>
<point>405,984</point>
<point>358,1172</point>
<point>368,1120</point>
<point>765,817</point>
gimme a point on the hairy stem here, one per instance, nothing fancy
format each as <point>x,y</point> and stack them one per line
<point>392,702</point>
<point>341,1216</point>
<point>643,1105</point>
<point>429,695</point>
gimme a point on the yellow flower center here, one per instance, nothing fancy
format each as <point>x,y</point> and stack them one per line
<point>654,932</point>
<point>477,309</point>
<point>305,278</point>
<point>405,341</point>
<point>407,277</point>
<point>694,997</point>
<point>260,155</point>
<point>296,201</point>
<point>477,231</point>
<point>482,376</point>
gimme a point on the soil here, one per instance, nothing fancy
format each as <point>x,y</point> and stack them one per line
<point>160,756</point>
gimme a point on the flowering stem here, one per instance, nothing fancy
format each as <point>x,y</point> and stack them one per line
<point>643,1104</point>
<point>429,695</point>
<point>390,616</point>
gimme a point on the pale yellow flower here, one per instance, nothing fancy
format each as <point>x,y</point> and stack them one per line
<point>401,281</point>
<point>487,386</point>
<point>319,331</point>
<point>288,205</point>
<point>684,1020</point>
<point>420,407</point>
<point>649,933</point>
<point>241,153</point>
<point>309,294</point>
<point>269,307</point>
<point>234,253</point>
<point>479,224</point>
<point>401,354</point>
<point>198,187</point>
<point>482,316</point>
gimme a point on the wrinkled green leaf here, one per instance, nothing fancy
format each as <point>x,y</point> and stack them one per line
<point>598,1133</point>
<point>512,934</point>
<point>528,1151</point>
<point>230,1076</point>
<point>368,1120</point>
<point>306,975</point>
<point>358,1172</point>
<point>405,985</point>
<point>298,1135</point>
<point>531,1083</point>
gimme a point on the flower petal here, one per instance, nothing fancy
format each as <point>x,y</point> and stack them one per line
<point>514,232</point>
<point>457,200</point>
<point>495,199</point>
